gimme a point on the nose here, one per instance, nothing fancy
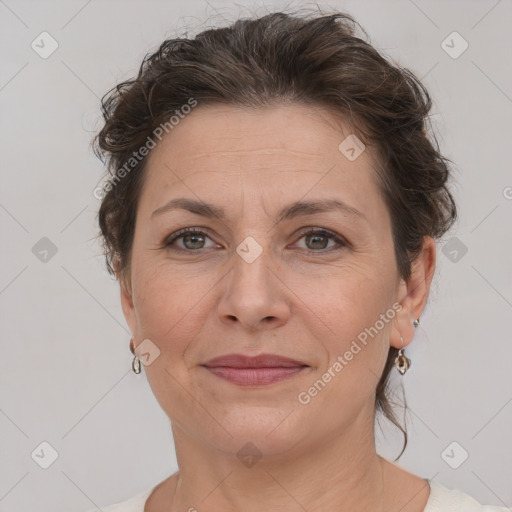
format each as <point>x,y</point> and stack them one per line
<point>254,296</point>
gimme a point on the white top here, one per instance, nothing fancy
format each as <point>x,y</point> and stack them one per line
<point>441,499</point>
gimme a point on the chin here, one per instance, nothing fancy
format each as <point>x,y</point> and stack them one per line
<point>269,431</point>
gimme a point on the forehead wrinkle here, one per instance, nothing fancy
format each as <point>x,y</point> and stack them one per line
<point>185,174</point>
<point>262,151</point>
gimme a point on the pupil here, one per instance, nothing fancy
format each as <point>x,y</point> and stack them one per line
<point>318,237</point>
<point>193,237</point>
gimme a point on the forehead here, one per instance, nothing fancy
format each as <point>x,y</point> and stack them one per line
<point>294,131</point>
<point>272,152</point>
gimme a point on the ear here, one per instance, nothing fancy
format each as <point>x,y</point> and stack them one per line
<point>127,299</point>
<point>413,294</point>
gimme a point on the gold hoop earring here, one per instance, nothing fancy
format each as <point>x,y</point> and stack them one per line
<point>402,362</point>
<point>136,361</point>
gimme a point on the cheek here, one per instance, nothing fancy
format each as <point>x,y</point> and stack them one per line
<point>172,306</point>
<point>351,305</point>
<point>355,294</point>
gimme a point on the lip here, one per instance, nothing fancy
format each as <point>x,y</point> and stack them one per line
<point>259,361</point>
<point>258,370</point>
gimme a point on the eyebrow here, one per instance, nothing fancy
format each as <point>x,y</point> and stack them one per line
<point>297,209</point>
<point>291,211</point>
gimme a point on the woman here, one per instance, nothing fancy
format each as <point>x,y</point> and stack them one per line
<point>271,214</point>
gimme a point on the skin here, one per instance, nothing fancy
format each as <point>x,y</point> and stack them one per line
<point>297,299</point>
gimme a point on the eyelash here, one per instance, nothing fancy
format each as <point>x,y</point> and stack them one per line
<point>317,231</point>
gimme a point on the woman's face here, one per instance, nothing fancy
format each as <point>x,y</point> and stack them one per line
<point>254,281</point>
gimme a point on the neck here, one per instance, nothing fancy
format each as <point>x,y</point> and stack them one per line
<point>342,473</point>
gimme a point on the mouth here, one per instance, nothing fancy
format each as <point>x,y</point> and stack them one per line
<point>255,376</point>
<point>260,370</point>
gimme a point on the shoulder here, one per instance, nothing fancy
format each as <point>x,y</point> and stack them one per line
<point>443,499</point>
<point>134,504</point>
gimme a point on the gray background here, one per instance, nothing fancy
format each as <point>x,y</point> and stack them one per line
<point>65,373</point>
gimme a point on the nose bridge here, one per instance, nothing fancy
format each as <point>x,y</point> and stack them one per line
<point>250,276</point>
<point>253,295</point>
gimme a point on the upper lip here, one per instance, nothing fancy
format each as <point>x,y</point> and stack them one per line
<point>260,361</point>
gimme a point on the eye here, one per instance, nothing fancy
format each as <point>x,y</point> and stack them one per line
<point>317,240</point>
<point>192,239</point>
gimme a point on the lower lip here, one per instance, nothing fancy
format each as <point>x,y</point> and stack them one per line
<point>254,376</point>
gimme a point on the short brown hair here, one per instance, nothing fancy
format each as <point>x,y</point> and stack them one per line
<point>312,59</point>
